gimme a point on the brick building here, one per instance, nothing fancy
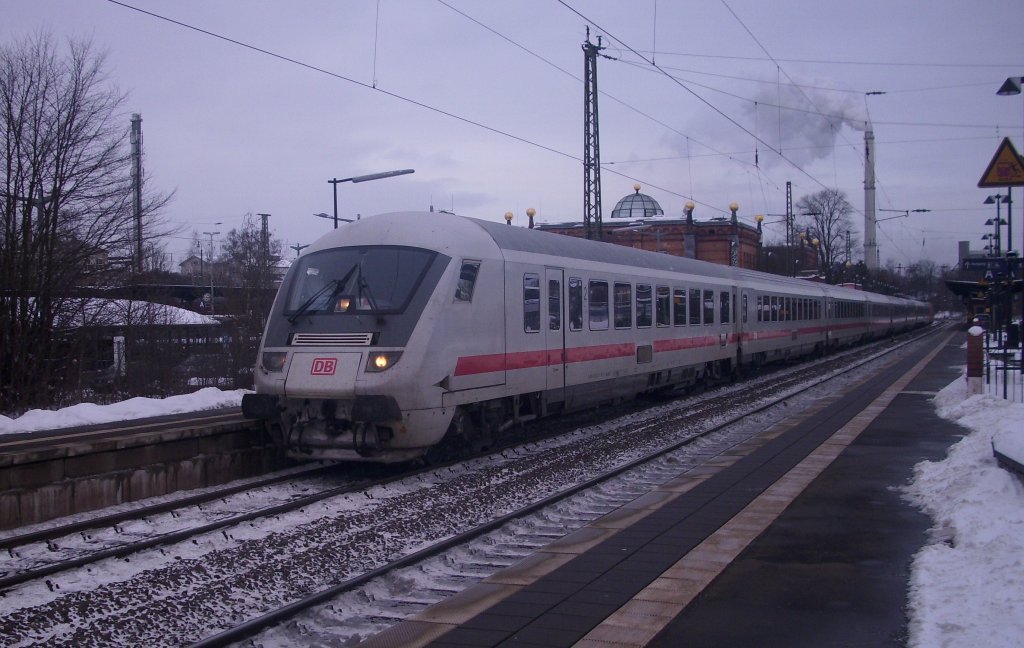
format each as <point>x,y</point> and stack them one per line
<point>638,221</point>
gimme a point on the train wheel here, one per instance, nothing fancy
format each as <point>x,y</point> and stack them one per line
<point>463,437</point>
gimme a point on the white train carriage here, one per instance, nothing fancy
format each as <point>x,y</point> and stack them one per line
<point>402,330</point>
<point>782,318</point>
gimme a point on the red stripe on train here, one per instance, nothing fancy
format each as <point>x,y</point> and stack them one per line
<point>469,365</point>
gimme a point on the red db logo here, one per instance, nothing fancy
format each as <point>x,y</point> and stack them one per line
<point>323,367</point>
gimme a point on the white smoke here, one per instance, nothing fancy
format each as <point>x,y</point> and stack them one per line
<point>804,123</point>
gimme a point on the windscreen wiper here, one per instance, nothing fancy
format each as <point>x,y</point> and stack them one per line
<point>335,284</point>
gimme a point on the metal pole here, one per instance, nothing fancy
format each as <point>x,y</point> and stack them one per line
<point>210,234</point>
<point>335,182</point>
<point>211,275</point>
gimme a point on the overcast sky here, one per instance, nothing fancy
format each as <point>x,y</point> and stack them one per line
<point>484,100</point>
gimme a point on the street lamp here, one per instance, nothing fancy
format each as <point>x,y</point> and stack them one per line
<point>1012,86</point>
<point>997,199</point>
<point>363,178</point>
<point>210,234</point>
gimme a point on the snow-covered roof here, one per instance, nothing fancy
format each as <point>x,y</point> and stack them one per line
<point>94,311</point>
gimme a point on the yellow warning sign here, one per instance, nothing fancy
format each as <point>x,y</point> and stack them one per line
<point>1006,168</point>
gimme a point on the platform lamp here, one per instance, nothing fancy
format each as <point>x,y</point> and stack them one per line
<point>362,178</point>
<point>1010,87</point>
<point>997,199</point>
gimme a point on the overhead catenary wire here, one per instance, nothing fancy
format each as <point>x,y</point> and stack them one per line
<point>394,95</point>
<point>707,103</point>
<point>603,93</point>
<point>934,64</point>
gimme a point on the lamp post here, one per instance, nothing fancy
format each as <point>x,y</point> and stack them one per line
<point>997,199</point>
<point>355,179</point>
<point>210,234</point>
<point>1012,86</point>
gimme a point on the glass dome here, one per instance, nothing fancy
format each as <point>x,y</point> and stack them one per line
<point>637,205</point>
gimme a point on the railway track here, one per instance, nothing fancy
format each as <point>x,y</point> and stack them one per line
<point>302,557</point>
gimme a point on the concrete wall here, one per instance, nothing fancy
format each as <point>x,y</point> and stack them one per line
<point>39,485</point>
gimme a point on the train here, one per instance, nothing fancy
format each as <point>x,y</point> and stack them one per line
<point>402,335</point>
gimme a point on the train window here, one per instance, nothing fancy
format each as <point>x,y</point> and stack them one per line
<point>354,280</point>
<point>623,305</point>
<point>723,307</point>
<point>531,302</point>
<point>661,306</point>
<point>775,308</point>
<point>695,307</point>
<point>787,309</point>
<point>554,304</point>
<point>598,298</point>
<point>743,308</point>
<point>643,305</point>
<point>709,307</point>
<point>679,306</point>
<point>575,303</point>
<point>467,280</point>
<point>759,303</point>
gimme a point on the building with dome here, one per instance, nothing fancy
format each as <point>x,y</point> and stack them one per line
<point>638,221</point>
<point>637,205</point>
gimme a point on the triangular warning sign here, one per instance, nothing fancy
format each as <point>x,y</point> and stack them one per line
<point>1006,168</point>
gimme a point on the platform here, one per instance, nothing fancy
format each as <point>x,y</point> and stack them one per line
<point>798,537</point>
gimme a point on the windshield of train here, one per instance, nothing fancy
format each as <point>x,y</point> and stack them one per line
<point>377,279</point>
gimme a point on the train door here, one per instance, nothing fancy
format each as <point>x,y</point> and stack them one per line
<point>555,332</point>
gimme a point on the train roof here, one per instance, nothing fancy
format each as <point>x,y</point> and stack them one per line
<point>448,232</point>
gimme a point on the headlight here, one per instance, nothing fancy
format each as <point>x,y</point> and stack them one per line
<point>273,361</point>
<point>382,360</point>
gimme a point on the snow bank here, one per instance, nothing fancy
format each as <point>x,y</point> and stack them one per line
<point>134,408</point>
<point>967,585</point>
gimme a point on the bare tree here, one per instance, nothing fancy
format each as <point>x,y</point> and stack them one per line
<point>253,255</point>
<point>65,199</point>
<point>829,216</point>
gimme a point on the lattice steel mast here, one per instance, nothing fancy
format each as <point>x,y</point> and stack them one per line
<point>591,140</point>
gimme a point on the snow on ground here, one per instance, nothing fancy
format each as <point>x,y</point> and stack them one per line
<point>966,585</point>
<point>133,408</point>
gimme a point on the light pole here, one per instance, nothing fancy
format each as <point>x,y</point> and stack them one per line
<point>363,178</point>
<point>1012,86</point>
<point>997,199</point>
<point>211,268</point>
